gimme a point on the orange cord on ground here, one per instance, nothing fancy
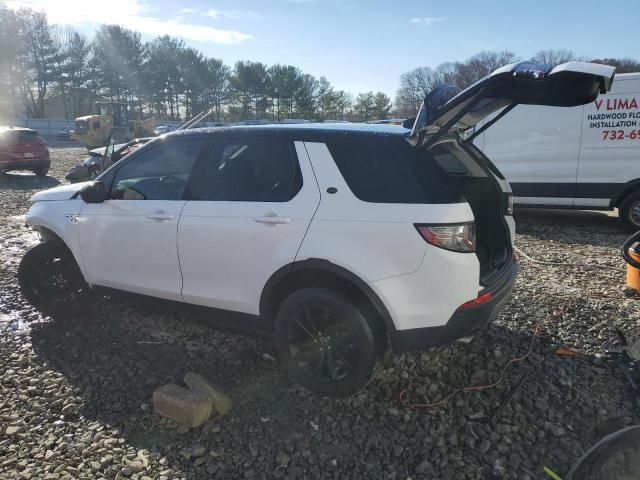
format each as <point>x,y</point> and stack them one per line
<point>476,388</point>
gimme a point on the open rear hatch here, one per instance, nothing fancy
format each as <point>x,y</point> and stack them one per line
<point>445,126</point>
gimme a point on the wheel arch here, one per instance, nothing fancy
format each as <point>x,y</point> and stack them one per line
<point>626,190</point>
<point>321,273</point>
<point>50,234</point>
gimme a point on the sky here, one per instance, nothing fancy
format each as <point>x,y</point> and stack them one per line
<point>364,45</point>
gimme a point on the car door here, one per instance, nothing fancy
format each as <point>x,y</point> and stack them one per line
<point>247,218</point>
<point>129,241</point>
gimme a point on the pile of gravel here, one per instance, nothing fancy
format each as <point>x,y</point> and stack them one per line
<point>75,392</point>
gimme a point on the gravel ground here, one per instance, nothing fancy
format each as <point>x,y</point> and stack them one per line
<point>75,393</point>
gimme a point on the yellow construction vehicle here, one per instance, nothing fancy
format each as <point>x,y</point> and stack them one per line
<point>110,123</point>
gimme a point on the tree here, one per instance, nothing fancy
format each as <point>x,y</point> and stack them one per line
<point>417,83</point>
<point>343,104</point>
<point>480,65</point>
<point>193,71</point>
<point>216,83</point>
<point>162,78</point>
<point>248,83</point>
<point>284,82</point>
<point>10,72</point>
<point>381,105</point>
<point>553,57</point>
<point>118,54</point>
<point>623,65</point>
<point>37,56</point>
<point>76,49</point>
<point>365,103</point>
<point>71,69</point>
<point>305,99</point>
<point>325,97</point>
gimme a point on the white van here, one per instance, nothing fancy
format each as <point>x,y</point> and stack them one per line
<point>585,157</point>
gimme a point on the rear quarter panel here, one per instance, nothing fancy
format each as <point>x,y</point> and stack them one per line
<point>372,240</point>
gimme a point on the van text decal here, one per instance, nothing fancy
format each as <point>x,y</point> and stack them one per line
<point>613,117</point>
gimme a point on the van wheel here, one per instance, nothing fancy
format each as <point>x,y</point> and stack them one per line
<point>41,172</point>
<point>629,211</point>
<point>51,281</point>
<point>325,343</point>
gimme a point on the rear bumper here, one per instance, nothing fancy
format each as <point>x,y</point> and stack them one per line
<point>462,323</point>
<point>31,164</point>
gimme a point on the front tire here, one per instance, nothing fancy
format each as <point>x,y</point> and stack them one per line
<point>51,280</point>
<point>629,211</point>
<point>41,172</point>
<point>94,171</point>
<point>325,343</point>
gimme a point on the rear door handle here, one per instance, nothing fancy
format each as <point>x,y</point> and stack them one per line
<point>161,216</point>
<point>272,219</point>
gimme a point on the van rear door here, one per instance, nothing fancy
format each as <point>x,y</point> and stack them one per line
<point>447,109</point>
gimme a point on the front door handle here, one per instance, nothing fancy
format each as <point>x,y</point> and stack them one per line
<point>161,216</point>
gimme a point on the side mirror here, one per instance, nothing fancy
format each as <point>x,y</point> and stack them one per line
<point>93,192</point>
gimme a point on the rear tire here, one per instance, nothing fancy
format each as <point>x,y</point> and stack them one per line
<point>41,172</point>
<point>325,343</point>
<point>629,211</point>
<point>51,280</point>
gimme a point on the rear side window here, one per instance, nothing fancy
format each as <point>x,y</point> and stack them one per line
<point>390,172</point>
<point>251,170</point>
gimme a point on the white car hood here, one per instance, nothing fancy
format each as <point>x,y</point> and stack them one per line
<point>63,192</point>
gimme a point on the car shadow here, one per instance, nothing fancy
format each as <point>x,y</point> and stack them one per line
<point>18,181</point>
<point>116,354</point>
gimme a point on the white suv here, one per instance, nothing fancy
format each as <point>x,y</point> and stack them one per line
<point>340,238</point>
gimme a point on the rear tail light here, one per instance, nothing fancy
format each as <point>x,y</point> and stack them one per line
<point>482,298</point>
<point>456,237</point>
<point>508,203</point>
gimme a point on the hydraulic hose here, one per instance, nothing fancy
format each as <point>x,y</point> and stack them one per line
<point>628,243</point>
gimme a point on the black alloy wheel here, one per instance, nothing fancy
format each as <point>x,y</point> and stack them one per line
<point>325,342</point>
<point>50,279</point>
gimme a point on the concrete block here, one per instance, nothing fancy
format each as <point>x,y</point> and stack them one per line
<point>187,407</point>
<point>221,402</point>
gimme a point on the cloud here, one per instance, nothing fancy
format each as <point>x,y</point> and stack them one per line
<point>134,14</point>
<point>427,21</point>
<point>234,14</point>
<point>189,10</point>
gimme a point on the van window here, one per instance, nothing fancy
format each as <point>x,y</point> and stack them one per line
<point>390,172</point>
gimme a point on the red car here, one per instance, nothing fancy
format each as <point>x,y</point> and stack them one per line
<point>23,149</point>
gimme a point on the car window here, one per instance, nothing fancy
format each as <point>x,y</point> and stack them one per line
<point>160,173</point>
<point>450,163</point>
<point>251,171</point>
<point>382,171</point>
<point>19,136</point>
<point>455,161</point>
